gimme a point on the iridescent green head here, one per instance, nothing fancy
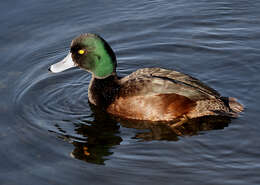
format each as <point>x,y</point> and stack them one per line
<point>89,52</point>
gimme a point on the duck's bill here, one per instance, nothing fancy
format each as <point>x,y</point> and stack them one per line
<point>63,65</point>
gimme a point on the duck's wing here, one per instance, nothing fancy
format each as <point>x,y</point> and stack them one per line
<point>151,81</point>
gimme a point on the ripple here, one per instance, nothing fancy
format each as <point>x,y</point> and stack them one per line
<point>50,98</point>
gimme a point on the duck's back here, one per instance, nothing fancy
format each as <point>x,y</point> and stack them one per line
<point>158,80</point>
<point>162,95</point>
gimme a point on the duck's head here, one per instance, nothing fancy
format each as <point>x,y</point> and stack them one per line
<point>89,52</point>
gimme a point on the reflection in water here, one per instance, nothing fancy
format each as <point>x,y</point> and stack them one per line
<point>103,133</point>
<point>163,131</point>
<point>100,135</point>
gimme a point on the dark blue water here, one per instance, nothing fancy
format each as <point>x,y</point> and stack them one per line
<point>49,134</point>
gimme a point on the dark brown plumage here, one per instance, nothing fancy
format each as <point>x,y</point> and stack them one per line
<point>157,94</point>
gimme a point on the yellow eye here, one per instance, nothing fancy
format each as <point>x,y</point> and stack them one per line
<point>81,51</point>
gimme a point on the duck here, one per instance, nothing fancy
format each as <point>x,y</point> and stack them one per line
<point>150,94</point>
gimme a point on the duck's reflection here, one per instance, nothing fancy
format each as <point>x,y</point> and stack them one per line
<point>103,133</point>
<point>164,131</point>
<point>100,137</point>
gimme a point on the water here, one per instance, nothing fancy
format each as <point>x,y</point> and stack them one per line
<point>50,134</point>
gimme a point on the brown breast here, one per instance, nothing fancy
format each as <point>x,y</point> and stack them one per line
<point>161,107</point>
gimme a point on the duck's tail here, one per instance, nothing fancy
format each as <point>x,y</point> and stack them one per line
<point>234,105</point>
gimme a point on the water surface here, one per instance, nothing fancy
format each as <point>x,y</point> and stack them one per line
<point>51,135</point>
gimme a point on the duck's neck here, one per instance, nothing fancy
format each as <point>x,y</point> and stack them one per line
<point>102,92</point>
